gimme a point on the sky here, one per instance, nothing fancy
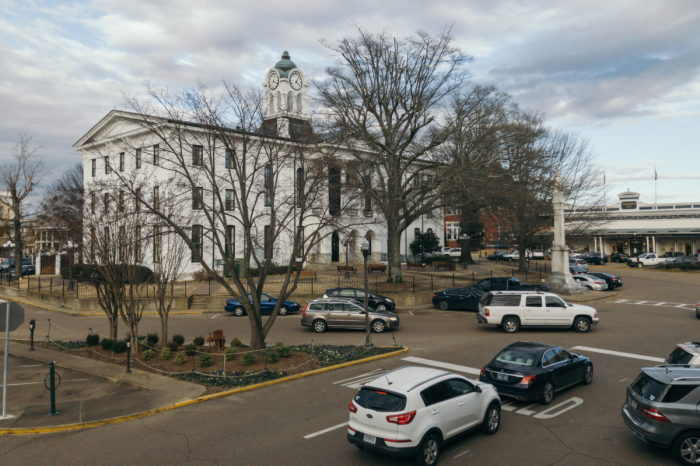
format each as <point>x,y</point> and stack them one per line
<point>623,74</point>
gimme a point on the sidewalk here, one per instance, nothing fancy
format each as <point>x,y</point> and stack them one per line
<point>98,399</point>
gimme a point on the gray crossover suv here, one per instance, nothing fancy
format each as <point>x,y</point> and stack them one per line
<point>322,314</point>
<point>661,409</point>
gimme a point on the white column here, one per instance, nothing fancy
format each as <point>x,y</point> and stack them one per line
<point>38,264</point>
<point>647,244</point>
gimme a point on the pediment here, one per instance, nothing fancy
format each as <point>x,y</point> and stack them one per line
<point>113,125</point>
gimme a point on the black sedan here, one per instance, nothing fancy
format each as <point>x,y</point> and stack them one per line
<point>612,280</point>
<point>496,255</point>
<point>534,371</point>
<point>458,298</point>
<point>374,301</point>
<point>596,258</point>
<point>621,257</point>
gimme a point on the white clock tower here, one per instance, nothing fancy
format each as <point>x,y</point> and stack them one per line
<point>285,99</point>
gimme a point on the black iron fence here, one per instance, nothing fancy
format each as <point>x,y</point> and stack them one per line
<point>77,289</point>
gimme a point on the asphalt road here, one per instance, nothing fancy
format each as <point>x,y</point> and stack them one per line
<point>276,425</point>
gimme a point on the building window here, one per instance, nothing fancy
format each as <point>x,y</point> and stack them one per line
<point>120,245</point>
<point>229,159</point>
<point>197,231</point>
<point>229,200</point>
<point>197,156</point>
<point>121,161</point>
<point>156,244</point>
<point>198,198</point>
<point>156,155</point>
<point>107,171</point>
<point>268,184</point>
<point>452,231</point>
<point>106,200</point>
<point>120,203</point>
<point>266,239</point>
<point>230,242</point>
<point>272,103</point>
<point>279,102</point>
<point>137,244</point>
<point>94,167</point>
<point>137,200</point>
<point>138,158</point>
<point>105,241</point>
<point>334,188</point>
<point>156,198</point>
<point>300,186</point>
<point>416,232</point>
<point>290,103</point>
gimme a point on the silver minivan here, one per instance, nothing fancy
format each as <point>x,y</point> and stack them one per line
<point>322,314</point>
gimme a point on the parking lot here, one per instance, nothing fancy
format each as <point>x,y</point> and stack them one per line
<point>303,421</point>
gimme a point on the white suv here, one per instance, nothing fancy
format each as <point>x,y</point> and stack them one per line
<point>513,309</point>
<point>413,411</point>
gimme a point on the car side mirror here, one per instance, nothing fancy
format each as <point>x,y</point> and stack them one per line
<point>477,388</point>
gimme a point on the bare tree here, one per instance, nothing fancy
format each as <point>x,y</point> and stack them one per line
<point>63,206</point>
<point>386,99</point>
<point>21,175</point>
<point>234,181</point>
<point>166,272</point>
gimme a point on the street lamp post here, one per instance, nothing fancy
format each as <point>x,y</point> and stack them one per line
<point>464,239</point>
<point>128,353</point>
<point>347,272</point>
<point>70,246</point>
<point>365,253</point>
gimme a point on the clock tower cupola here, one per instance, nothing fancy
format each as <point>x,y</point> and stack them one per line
<point>285,97</point>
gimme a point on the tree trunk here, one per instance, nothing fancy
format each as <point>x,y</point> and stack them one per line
<point>522,262</point>
<point>164,327</point>
<point>113,327</point>
<point>393,242</point>
<point>257,338</point>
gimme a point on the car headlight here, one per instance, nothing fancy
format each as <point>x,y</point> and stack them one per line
<point>389,300</point>
<point>393,318</point>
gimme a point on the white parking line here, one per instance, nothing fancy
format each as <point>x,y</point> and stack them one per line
<point>617,353</point>
<point>35,383</point>
<point>320,432</point>
<point>216,316</point>
<point>526,410</point>
<point>33,365</point>
<point>358,376</point>
<point>410,312</point>
<point>443,365</point>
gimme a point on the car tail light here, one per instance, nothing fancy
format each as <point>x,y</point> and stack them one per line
<point>528,380</point>
<point>483,372</point>
<point>401,419</point>
<point>654,414</point>
<point>435,295</point>
<point>598,283</point>
<point>487,313</point>
<point>353,430</point>
<point>352,407</point>
<point>303,314</point>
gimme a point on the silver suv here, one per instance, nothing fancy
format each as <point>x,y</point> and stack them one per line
<point>685,353</point>
<point>322,314</point>
<point>661,409</point>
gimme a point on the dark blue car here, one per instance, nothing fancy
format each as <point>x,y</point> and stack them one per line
<point>267,305</point>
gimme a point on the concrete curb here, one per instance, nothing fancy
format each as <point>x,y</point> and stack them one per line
<point>182,404</point>
<point>602,298</point>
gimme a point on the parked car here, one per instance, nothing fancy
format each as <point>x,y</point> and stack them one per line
<point>687,353</point>
<point>508,283</point>
<point>458,298</point>
<point>496,255</point>
<point>591,282</point>
<point>596,258</point>
<point>619,257</point>
<point>678,261</point>
<point>414,411</point>
<point>445,250</point>
<point>613,281</point>
<point>673,254</point>
<point>374,301</point>
<point>515,255</point>
<point>514,309</point>
<point>530,371</point>
<point>661,409</point>
<point>579,263</point>
<point>577,270</point>
<point>647,259</point>
<point>574,254</point>
<point>697,310</point>
<point>537,254</point>
<point>8,265</point>
<point>322,314</point>
<point>267,305</point>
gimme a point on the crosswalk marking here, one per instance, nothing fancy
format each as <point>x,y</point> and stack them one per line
<point>653,303</point>
<point>617,353</point>
<point>358,376</point>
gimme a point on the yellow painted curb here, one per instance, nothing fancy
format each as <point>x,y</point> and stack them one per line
<point>182,404</point>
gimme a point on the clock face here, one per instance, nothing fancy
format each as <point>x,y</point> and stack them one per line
<point>295,81</point>
<point>273,81</point>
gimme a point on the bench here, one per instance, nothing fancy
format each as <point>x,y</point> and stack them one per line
<point>216,337</point>
<point>439,265</point>
<point>349,268</point>
<point>415,264</point>
<point>376,268</point>
<point>307,273</point>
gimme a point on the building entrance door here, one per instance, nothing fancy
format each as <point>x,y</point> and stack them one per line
<point>636,247</point>
<point>48,265</point>
<point>335,247</point>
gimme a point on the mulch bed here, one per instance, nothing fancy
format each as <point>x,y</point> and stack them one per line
<point>302,358</point>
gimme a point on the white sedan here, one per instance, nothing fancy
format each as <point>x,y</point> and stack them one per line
<point>455,252</point>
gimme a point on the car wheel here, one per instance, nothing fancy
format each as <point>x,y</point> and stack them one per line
<point>319,326</point>
<point>686,448</point>
<point>443,305</point>
<point>378,326</point>
<point>588,375</point>
<point>639,265</point>
<point>582,325</point>
<point>492,420</point>
<point>284,310</point>
<point>547,393</point>
<point>511,325</point>
<point>429,451</point>
<point>238,311</point>
<point>589,287</point>
<point>381,307</point>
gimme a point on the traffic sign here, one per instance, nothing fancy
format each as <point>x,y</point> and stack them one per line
<point>16,316</point>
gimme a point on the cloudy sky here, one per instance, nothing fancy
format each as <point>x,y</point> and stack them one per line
<point>625,74</point>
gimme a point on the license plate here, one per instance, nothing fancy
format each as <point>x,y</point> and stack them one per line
<point>370,439</point>
<point>502,377</point>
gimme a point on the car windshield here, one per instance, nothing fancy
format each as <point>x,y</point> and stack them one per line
<point>647,387</point>
<point>516,357</point>
<point>679,356</point>
<point>378,400</point>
